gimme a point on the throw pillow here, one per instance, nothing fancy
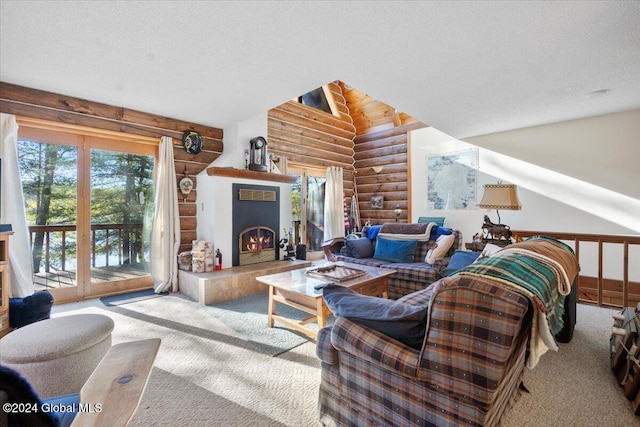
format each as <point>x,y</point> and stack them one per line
<point>359,248</point>
<point>403,322</point>
<point>395,250</point>
<point>460,259</point>
<point>489,250</point>
<point>440,248</point>
<point>371,231</point>
<point>439,231</point>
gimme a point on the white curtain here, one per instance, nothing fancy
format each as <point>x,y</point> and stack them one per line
<point>165,230</point>
<point>334,204</point>
<point>355,213</point>
<point>21,265</point>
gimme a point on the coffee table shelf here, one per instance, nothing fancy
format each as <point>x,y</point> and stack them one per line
<point>297,289</point>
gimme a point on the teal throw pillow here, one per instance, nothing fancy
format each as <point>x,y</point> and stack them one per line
<point>395,250</point>
<point>401,321</point>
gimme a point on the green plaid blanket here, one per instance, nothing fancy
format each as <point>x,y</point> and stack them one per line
<point>535,274</point>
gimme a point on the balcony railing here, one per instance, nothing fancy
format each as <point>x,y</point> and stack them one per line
<point>598,289</point>
<point>113,244</point>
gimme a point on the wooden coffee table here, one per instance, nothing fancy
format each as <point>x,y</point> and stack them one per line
<point>296,289</point>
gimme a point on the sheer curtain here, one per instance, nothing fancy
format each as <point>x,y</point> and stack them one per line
<point>21,265</point>
<point>165,230</point>
<point>334,204</point>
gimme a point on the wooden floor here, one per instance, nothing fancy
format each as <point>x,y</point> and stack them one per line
<point>64,279</point>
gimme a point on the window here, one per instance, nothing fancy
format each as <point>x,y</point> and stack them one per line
<point>89,204</point>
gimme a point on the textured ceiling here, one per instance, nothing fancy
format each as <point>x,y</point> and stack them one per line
<point>466,68</point>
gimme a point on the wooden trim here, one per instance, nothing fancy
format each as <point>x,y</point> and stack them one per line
<point>249,174</point>
<point>37,102</point>
<point>603,291</point>
<point>85,131</point>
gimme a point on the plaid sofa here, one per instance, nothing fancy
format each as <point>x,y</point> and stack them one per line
<point>411,277</point>
<point>468,370</point>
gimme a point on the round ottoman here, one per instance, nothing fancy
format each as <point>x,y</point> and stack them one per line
<point>57,355</point>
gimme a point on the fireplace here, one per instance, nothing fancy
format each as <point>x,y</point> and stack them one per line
<point>257,244</point>
<point>256,220</point>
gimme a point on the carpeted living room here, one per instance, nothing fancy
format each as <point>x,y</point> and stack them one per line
<point>214,213</point>
<point>208,373</point>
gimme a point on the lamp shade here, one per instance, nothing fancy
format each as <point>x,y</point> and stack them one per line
<point>500,196</point>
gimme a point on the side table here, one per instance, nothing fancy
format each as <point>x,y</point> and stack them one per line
<point>475,246</point>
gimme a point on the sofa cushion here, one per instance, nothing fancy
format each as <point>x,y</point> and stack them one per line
<point>362,261</point>
<point>395,250</point>
<point>413,271</point>
<point>359,248</point>
<point>440,249</point>
<point>403,322</point>
<point>460,259</point>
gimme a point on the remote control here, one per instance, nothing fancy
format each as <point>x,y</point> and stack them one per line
<point>320,286</point>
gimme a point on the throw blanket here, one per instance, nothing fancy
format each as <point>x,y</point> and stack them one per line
<point>532,268</point>
<point>399,231</point>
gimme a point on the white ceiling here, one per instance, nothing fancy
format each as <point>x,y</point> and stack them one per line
<point>466,68</point>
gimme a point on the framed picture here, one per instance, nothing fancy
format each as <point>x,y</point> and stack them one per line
<point>452,180</point>
<point>377,201</point>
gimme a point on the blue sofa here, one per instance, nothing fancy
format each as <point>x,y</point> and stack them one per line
<point>413,273</point>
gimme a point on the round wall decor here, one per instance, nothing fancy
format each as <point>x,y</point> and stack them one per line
<point>192,141</point>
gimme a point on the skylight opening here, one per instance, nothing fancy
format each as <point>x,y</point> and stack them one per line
<point>319,99</point>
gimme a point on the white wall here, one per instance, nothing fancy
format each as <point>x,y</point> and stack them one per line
<point>214,197</point>
<point>578,176</point>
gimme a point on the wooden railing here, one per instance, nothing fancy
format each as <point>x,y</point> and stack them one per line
<point>605,292</point>
<point>128,241</point>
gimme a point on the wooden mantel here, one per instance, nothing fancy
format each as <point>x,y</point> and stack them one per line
<point>249,174</point>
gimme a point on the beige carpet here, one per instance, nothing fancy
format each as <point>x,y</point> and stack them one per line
<point>206,374</point>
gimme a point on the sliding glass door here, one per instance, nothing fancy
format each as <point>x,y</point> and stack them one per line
<point>89,204</point>
<point>308,207</point>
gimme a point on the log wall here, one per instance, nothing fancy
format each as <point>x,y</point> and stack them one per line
<point>27,102</point>
<point>381,140</point>
<point>313,138</point>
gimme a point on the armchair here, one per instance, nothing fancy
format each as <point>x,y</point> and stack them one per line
<point>466,373</point>
<point>30,309</point>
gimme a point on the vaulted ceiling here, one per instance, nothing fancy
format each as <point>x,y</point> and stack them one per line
<point>466,68</point>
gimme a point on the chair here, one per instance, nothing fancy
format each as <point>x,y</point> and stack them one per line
<point>439,220</point>
<point>110,396</point>
<point>30,309</point>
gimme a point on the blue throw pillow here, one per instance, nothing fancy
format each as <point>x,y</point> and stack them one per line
<point>403,322</point>
<point>359,248</point>
<point>372,231</point>
<point>439,231</point>
<point>459,259</point>
<point>395,250</point>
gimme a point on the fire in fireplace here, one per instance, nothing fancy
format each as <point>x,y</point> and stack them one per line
<point>257,245</point>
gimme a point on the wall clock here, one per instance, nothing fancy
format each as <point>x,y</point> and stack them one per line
<point>192,141</point>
